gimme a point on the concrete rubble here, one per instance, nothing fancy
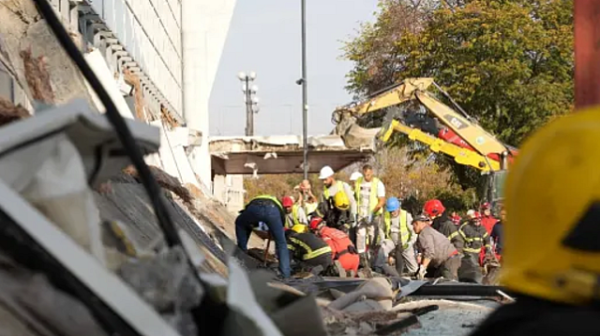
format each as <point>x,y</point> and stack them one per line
<point>132,246</point>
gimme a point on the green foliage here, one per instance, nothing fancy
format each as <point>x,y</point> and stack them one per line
<point>508,63</point>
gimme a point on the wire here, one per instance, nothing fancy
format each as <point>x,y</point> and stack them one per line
<point>124,134</point>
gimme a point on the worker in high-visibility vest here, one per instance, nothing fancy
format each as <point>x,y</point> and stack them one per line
<point>295,214</point>
<point>331,187</point>
<point>398,229</point>
<point>269,210</point>
<point>370,197</point>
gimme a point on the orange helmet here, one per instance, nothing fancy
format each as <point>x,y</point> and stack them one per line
<point>287,202</point>
<point>433,208</point>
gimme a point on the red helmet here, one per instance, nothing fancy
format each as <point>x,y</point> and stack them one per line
<point>433,208</point>
<point>314,223</point>
<point>287,202</point>
<point>455,219</point>
<point>486,205</point>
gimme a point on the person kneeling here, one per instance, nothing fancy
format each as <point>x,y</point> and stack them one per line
<point>308,250</point>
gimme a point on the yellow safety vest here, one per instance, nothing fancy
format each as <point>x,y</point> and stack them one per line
<point>373,199</point>
<point>295,214</point>
<point>405,234</point>
<point>310,207</point>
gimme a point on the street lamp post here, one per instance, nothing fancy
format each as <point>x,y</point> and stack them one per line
<point>250,99</point>
<point>304,93</point>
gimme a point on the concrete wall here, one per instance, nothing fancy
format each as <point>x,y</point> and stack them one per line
<point>230,191</point>
<point>178,44</point>
<point>205,27</point>
<point>150,30</point>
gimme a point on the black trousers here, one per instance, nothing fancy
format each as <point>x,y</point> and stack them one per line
<point>469,270</point>
<point>448,269</point>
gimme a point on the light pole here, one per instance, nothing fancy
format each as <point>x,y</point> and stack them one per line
<point>304,93</point>
<point>250,99</point>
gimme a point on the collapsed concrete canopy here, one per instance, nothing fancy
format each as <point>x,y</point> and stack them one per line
<point>282,154</point>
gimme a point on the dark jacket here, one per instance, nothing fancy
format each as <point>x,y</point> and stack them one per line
<point>475,237</point>
<point>530,316</point>
<point>444,225</point>
<point>334,218</point>
<point>497,237</point>
<point>307,246</point>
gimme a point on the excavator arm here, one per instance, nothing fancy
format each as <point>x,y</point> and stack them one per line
<point>472,135</point>
<point>461,155</point>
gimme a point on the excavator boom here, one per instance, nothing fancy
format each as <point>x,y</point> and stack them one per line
<point>465,127</point>
<point>461,155</point>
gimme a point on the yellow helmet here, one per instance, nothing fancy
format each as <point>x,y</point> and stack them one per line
<point>300,228</point>
<point>552,198</point>
<point>341,201</point>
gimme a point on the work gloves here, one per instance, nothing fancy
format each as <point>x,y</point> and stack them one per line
<point>421,273</point>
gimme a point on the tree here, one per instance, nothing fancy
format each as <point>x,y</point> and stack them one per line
<point>509,63</point>
<point>416,179</point>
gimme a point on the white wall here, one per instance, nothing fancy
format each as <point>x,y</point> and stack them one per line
<point>205,27</point>
<point>150,30</point>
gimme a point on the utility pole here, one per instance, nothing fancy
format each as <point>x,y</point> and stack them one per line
<point>304,93</point>
<point>250,99</point>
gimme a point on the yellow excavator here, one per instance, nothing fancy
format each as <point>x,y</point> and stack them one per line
<point>440,128</point>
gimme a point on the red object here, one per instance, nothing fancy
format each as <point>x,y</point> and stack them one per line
<point>455,219</point>
<point>339,242</point>
<point>433,208</point>
<point>486,205</point>
<point>475,215</point>
<point>450,136</point>
<point>314,223</point>
<point>488,223</point>
<point>287,202</point>
<point>587,53</point>
<point>453,253</point>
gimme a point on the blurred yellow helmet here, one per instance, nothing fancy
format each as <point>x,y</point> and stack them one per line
<point>300,228</point>
<point>552,198</point>
<point>341,201</point>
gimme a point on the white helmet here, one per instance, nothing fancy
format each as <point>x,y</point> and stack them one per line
<point>325,173</point>
<point>355,176</point>
<point>470,213</point>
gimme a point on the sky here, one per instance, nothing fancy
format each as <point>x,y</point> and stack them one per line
<point>265,37</point>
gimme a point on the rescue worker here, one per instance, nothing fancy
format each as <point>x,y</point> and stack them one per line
<point>439,256</point>
<point>342,249</point>
<point>455,218</point>
<point>398,229</point>
<point>551,263</point>
<point>476,239</point>
<point>336,212</point>
<point>370,197</point>
<point>497,235</point>
<point>294,213</point>
<point>488,220</point>
<point>331,188</point>
<point>437,213</point>
<point>307,249</point>
<point>306,199</point>
<point>269,210</point>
